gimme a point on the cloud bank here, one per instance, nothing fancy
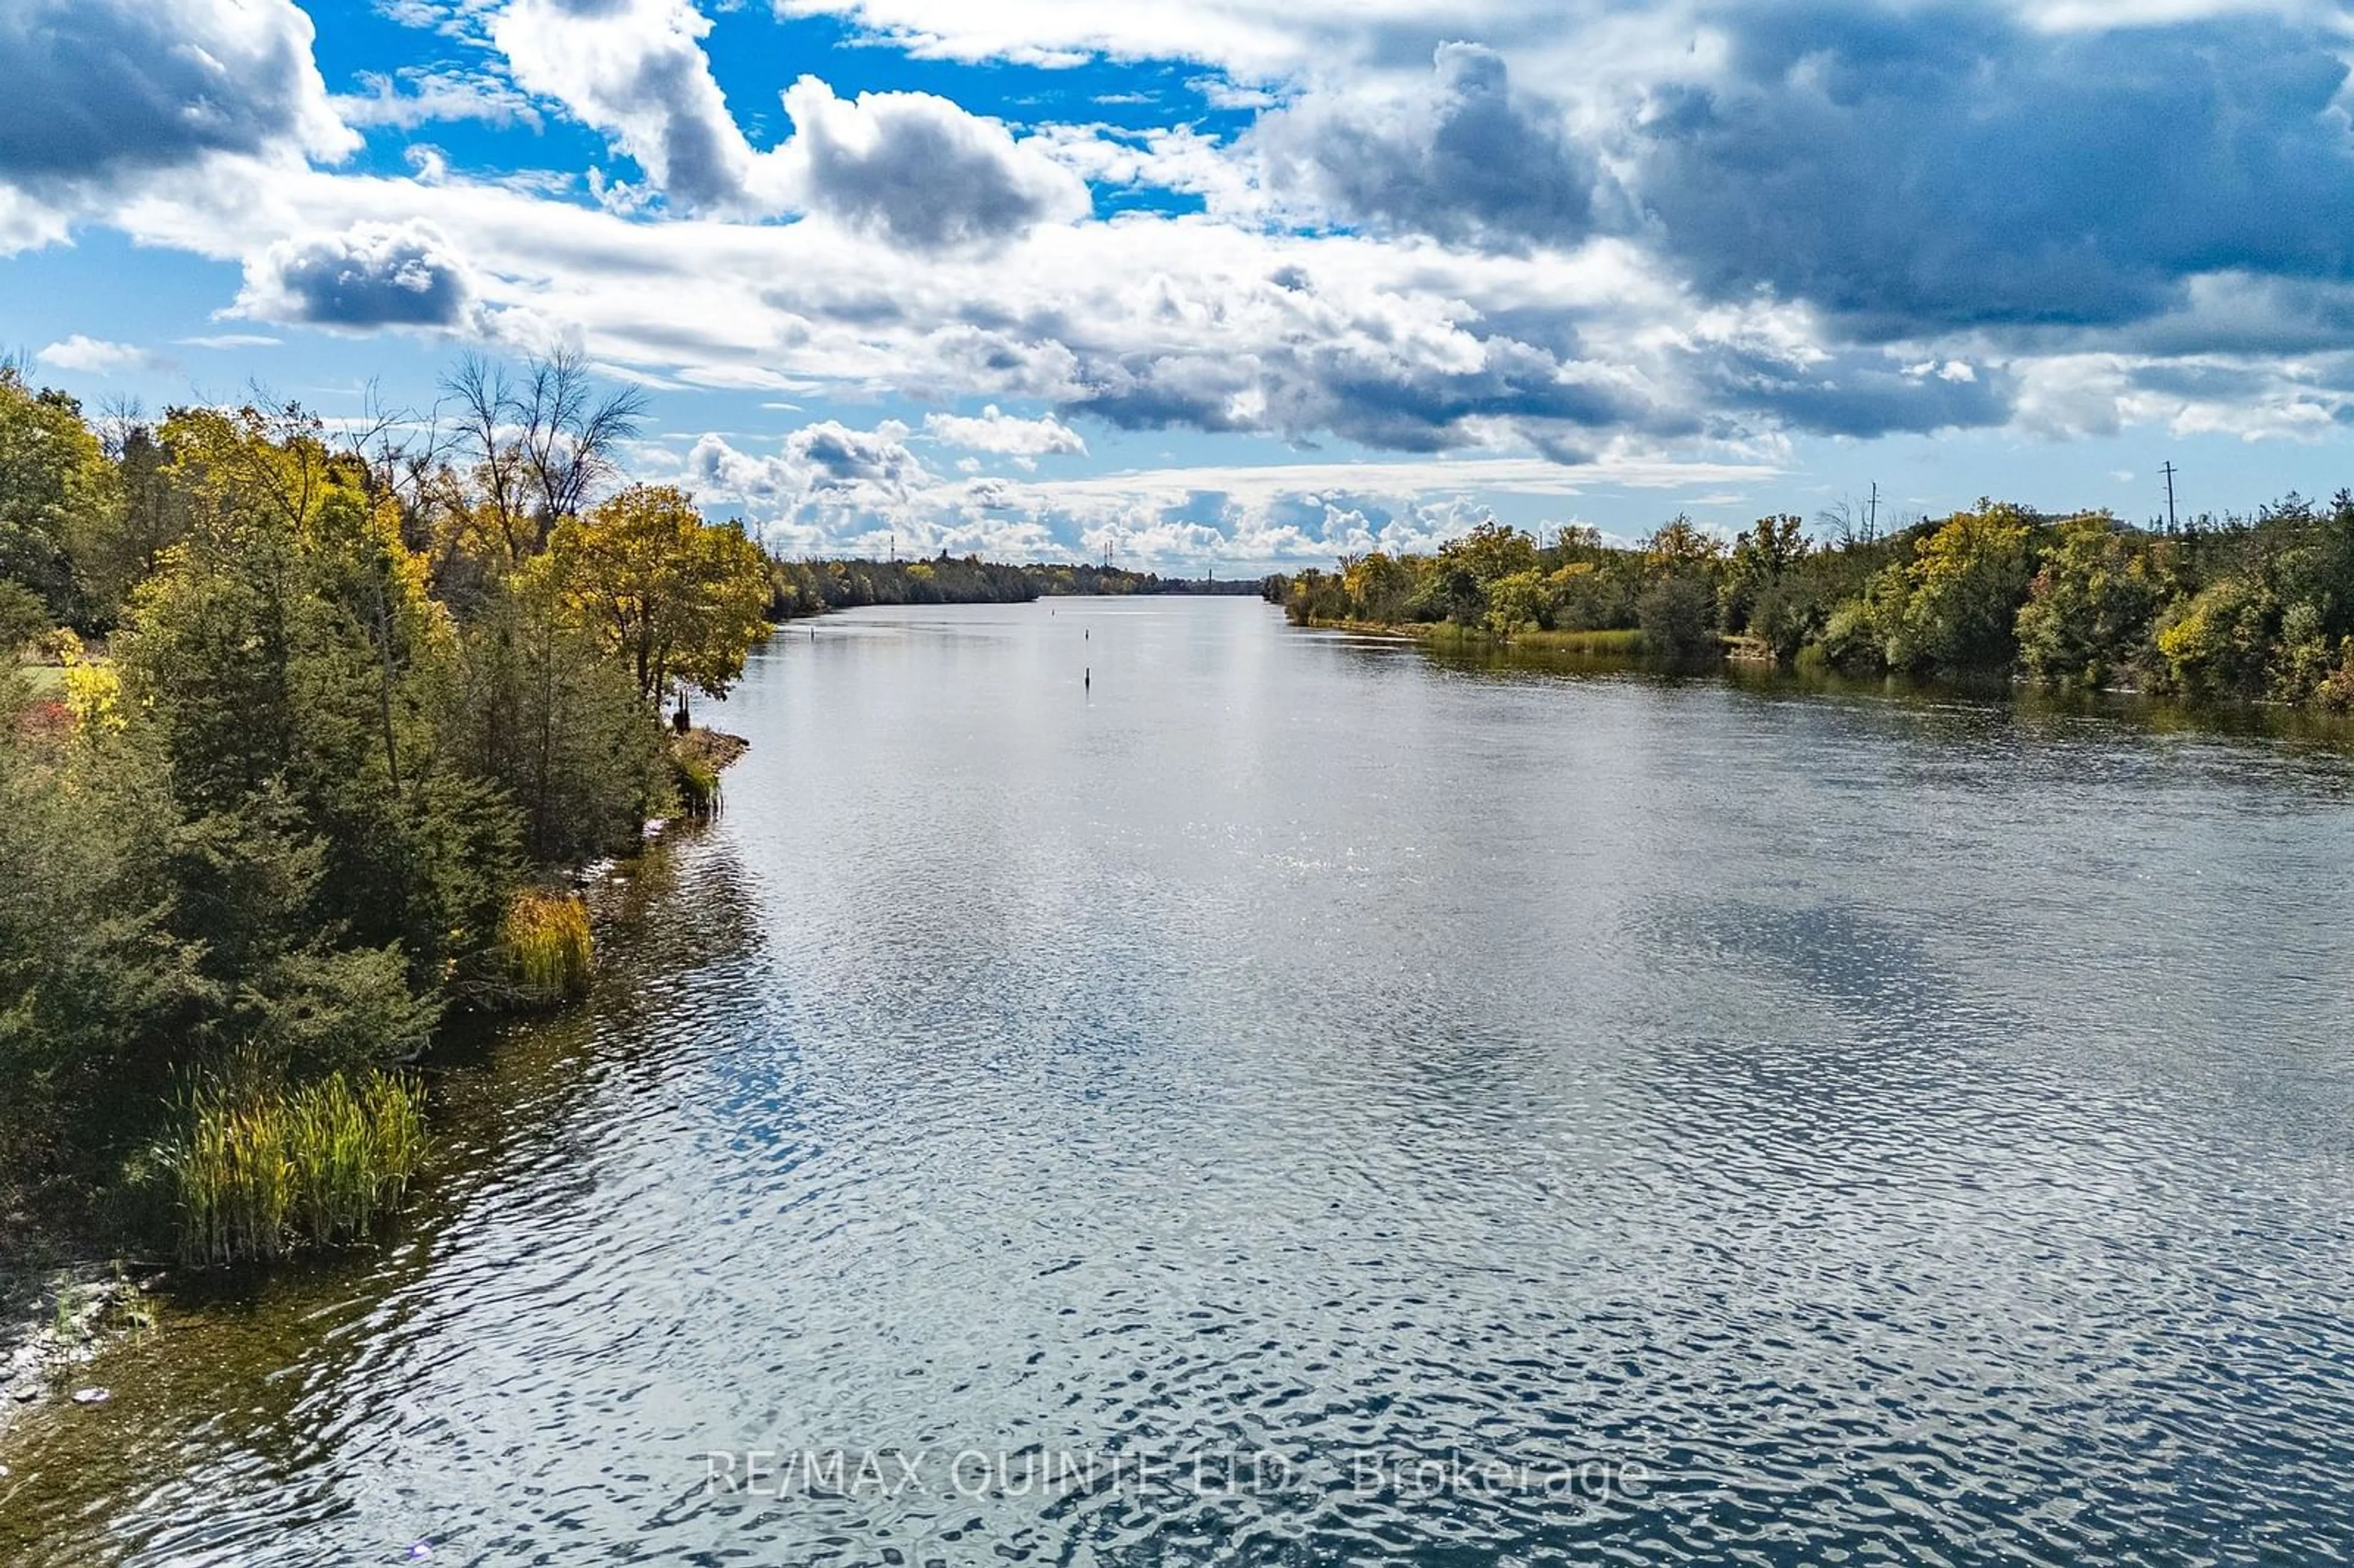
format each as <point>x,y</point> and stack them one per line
<point>1581,236</point>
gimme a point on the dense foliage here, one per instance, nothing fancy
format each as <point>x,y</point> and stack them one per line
<point>2258,607</point>
<point>358,698</point>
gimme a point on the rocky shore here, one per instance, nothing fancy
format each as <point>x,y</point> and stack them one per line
<point>56,1322</point>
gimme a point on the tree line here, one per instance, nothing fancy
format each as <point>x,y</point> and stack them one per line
<point>799,589</point>
<point>326,714</point>
<point>2254,607</point>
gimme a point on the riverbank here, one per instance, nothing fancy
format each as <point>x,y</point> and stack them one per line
<point>1623,642</point>
<point>66,1288</point>
<point>55,1320</point>
<point>1613,645</point>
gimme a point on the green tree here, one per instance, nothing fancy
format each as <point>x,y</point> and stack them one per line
<point>1677,608</point>
<point>1773,548</point>
<point>24,615</point>
<point>1679,546</point>
<point>94,980</point>
<point>1678,615</point>
<point>1491,552</point>
<point>289,665</point>
<point>120,547</point>
<point>541,710</point>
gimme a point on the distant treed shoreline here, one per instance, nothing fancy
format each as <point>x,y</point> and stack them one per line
<point>2253,609</point>
<point>801,588</point>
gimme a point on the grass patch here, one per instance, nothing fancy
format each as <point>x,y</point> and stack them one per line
<point>1626,643</point>
<point>547,948</point>
<point>258,1173</point>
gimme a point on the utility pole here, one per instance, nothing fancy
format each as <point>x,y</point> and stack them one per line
<point>1872,517</point>
<point>2169,471</point>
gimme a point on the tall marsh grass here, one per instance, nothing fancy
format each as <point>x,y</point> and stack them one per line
<point>547,947</point>
<point>258,1173</point>
<point>697,783</point>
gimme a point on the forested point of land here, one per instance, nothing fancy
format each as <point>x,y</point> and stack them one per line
<point>323,720</point>
<point>2244,608</point>
<point>812,587</point>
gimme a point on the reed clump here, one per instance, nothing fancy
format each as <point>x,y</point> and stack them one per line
<point>697,783</point>
<point>547,945</point>
<point>258,1173</point>
<point>697,758</point>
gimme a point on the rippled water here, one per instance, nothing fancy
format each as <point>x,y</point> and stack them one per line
<point>1823,1130</point>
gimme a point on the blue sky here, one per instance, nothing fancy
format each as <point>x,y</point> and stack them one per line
<point>1230,285</point>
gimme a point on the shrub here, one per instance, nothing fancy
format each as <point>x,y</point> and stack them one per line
<point>2335,691</point>
<point>22,616</point>
<point>1678,615</point>
<point>2217,644</point>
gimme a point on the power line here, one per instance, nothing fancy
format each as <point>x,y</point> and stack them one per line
<point>2169,471</point>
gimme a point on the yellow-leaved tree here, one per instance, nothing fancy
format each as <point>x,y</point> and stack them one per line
<point>679,600</point>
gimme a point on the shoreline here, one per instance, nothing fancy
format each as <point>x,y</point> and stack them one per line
<point>1616,643</point>
<point>67,1311</point>
<point>1747,664</point>
<point>67,1317</point>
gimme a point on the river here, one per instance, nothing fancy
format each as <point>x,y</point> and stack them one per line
<point>1157,1087</point>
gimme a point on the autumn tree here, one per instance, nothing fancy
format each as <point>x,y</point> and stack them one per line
<point>1379,587</point>
<point>679,600</point>
<point>56,491</point>
<point>1953,608</point>
<point>2090,607</point>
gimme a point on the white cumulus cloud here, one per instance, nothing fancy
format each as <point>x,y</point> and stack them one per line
<point>1006,435</point>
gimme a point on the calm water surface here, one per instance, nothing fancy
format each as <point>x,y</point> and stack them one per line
<point>1871,1130</point>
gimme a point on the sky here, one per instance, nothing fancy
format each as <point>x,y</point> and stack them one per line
<point>1218,286</point>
